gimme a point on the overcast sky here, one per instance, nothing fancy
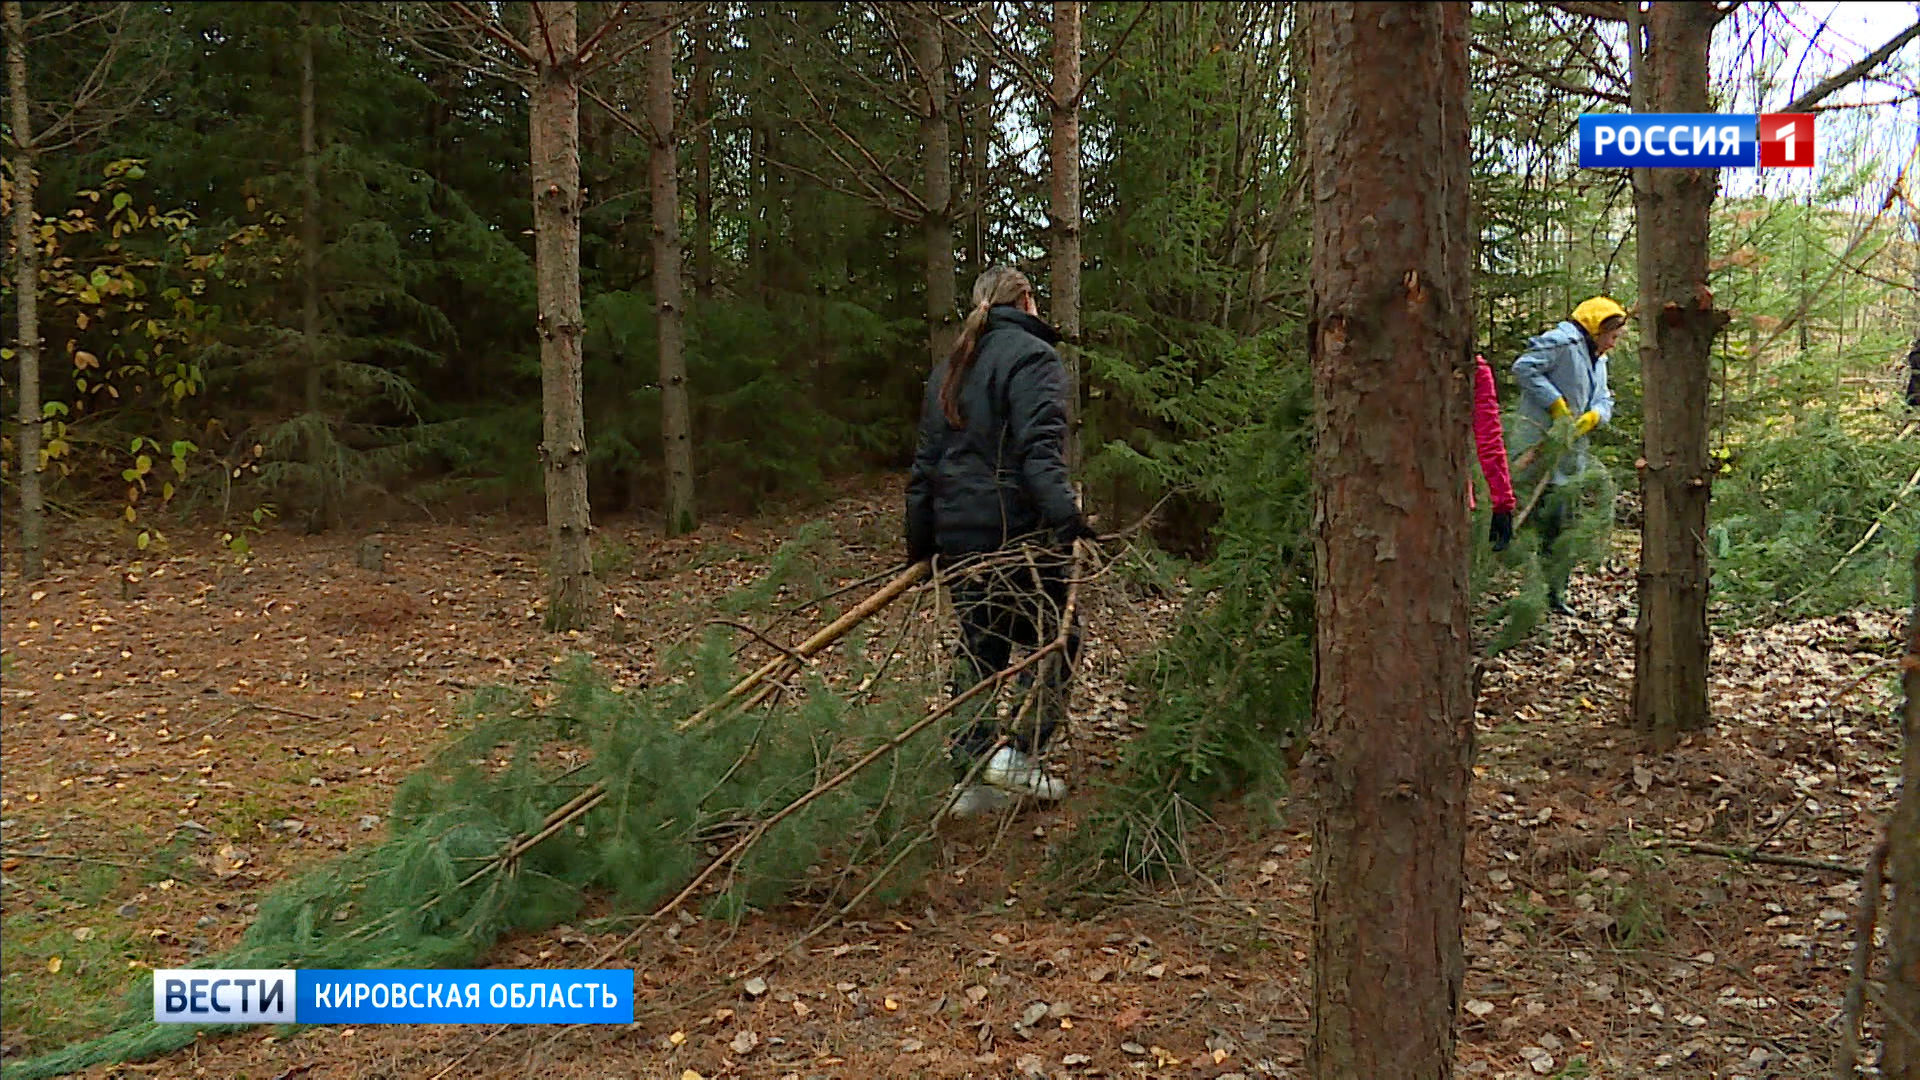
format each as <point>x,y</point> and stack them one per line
<point>1790,48</point>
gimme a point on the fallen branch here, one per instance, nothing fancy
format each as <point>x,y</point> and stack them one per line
<point>1749,855</point>
<point>11,854</point>
<point>1863,924</point>
<point>781,667</point>
<point>992,682</point>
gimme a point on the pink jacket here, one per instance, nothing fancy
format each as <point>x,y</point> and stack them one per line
<point>1487,439</point>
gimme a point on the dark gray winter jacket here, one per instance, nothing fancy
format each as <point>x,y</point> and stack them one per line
<point>1004,475</point>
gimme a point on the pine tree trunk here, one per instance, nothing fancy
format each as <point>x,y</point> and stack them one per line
<point>1063,160</point>
<point>555,128</point>
<point>676,420</point>
<point>310,271</point>
<point>702,107</point>
<point>1390,337</point>
<point>26,299</point>
<point>979,158</point>
<point>1677,327</point>
<point>1901,1058</point>
<point>937,227</point>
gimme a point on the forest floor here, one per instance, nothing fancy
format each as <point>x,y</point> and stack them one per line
<point>181,736</point>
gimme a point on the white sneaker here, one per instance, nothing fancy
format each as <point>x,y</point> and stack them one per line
<point>978,800</point>
<point>1010,770</point>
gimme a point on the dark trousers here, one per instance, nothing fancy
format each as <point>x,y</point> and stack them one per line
<point>1000,609</point>
<point>1552,520</point>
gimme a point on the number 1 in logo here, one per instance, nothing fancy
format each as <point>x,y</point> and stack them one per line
<point>1786,140</point>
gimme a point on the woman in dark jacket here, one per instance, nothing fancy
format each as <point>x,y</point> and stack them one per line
<point>990,474</point>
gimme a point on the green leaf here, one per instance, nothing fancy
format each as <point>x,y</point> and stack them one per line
<point>53,408</point>
<point>122,200</point>
<point>142,541</point>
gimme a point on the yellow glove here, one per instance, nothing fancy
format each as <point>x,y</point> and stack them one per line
<point>1558,410</point>
<point>1587,422</point>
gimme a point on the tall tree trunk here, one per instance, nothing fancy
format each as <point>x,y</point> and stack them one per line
<point>1678,324</point>
<point>979,160</point>
<point>663,167</point>
<point>26,299</point>
<point>702,107</point>
<point>1063,211</point>
<point>1391,338</point>
<point>322,509</point>
<point>1901,1057</point>
<point>555,128</point>
<point>935,136</point>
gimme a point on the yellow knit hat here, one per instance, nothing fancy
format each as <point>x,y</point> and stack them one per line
<point>1591,313</point>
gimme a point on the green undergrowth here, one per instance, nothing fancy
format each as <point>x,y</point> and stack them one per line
<point>1797,496</point>
<point>1230,689</point>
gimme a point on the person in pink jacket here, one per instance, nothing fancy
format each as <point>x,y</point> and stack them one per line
<point>1492,448</point>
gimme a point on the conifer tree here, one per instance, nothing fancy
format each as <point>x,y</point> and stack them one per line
<point>1393,705</point>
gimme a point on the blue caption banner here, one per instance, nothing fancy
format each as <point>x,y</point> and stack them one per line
<point>1668,140</point>
<point>465,997</point>
<point>218,996</point>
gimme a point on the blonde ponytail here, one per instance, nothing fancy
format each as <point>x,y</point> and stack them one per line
<point>998,285</point>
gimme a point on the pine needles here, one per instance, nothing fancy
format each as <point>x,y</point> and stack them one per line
<point>500,834</point>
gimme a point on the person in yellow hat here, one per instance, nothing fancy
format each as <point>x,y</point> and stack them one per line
<point>1563,375</point>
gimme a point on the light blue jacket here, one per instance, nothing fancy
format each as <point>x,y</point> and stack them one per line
<point>1558,364</point>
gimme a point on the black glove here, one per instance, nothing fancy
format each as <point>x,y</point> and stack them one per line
<point>1501,532</point>
<point>1077,529</point>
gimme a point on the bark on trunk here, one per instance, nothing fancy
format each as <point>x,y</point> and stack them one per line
<point>702,106</point>
<point>1678,324</point>
<point>937,227</point>
<point>555,126</point>
<point>26,297</point>
<point>1901,1060</point>
<point>1063,160</point>
<point>979,159</point>
<point>1391,339</point>
<point>676,420</point>
<point>310,271</point>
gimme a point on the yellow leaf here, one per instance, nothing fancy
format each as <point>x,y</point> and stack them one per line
<point>53,966</point>
<point>691,1075</point>
<point>677,1038</point>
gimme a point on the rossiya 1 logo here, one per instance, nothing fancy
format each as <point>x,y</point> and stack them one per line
<point>1696,141</point>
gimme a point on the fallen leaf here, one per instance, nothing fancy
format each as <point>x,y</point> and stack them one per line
<point>755,987</point>
<point>53,966</point>
<point>677,1038</point>
<point>744,1042</point>
<point>1479,1008</point>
